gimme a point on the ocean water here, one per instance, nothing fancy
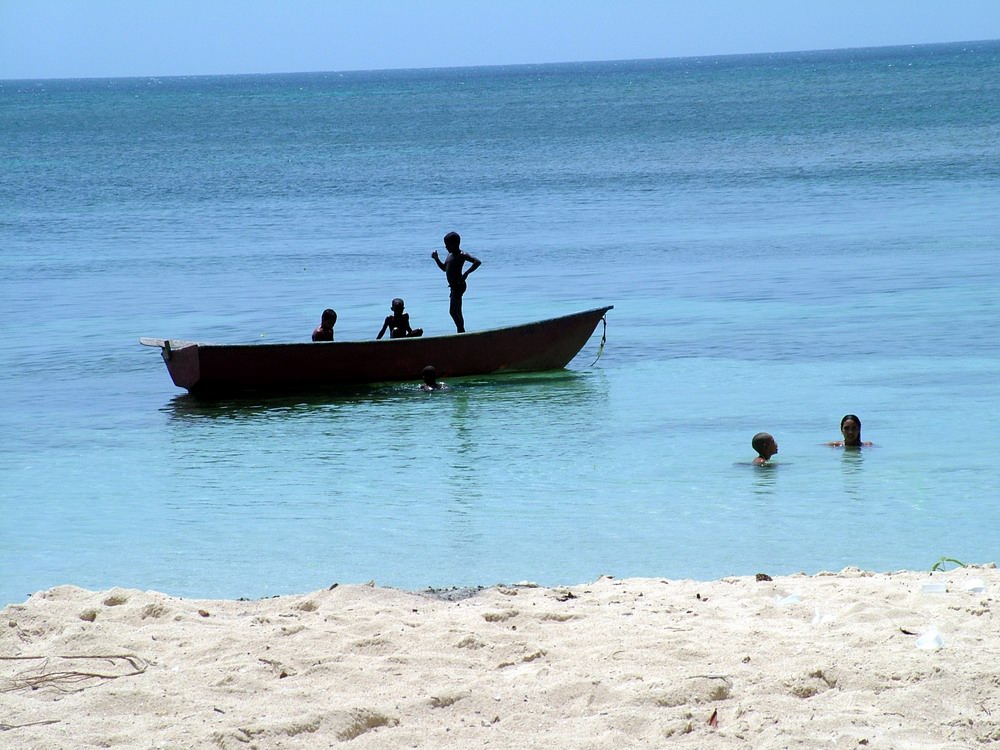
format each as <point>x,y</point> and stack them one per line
<point>785,238</point>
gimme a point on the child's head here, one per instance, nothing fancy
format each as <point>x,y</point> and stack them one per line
<point>452,241</point>
<point>430,375</point>
<point>764,444</point>
<point>329,318</point>
<point>397,305</point>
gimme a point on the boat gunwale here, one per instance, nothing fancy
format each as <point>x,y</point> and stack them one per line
<point>184,343</point>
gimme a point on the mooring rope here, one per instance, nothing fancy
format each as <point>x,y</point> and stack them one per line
<point>604,338</point>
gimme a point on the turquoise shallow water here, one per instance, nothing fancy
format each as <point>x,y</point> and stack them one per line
<point>785,239</point>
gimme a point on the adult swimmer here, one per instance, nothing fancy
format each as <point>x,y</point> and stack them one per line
<point>850,428</point>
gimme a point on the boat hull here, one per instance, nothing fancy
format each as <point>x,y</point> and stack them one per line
<point>232,368</point>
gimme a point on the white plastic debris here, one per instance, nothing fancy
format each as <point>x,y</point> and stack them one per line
<point>931,640</point>
<point>821,617</point>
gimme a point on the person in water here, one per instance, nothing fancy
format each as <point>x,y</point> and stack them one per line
<point>765,446</point>
<point>452,267</point>
<point>850,428</point>
<point>324,331</point>
<point>398,324</point>
<point>430,380</point>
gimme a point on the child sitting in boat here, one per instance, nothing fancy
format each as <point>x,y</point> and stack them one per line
<point>324,332</point>
<point>765,446</point>
<point>398,324</point>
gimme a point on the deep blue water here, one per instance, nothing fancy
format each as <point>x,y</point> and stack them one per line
<point>786,239</point>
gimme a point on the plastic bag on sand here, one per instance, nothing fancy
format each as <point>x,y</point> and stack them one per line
<point>821,617</point>
<point>931,640</point>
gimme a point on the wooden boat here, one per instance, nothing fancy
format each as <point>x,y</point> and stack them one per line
<point>232,368</point>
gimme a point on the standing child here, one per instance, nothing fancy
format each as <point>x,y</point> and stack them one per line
<point>452,267</point>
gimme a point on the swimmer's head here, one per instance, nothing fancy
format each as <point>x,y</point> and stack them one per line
<point>764,444</point>
<point>850,428</point>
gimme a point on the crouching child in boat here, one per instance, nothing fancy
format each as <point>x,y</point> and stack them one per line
<point>324,331</point>
<point>398,324</point>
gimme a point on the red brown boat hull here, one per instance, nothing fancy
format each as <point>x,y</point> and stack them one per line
<point>229,368</point>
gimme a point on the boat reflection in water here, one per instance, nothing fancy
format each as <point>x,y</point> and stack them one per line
<point>539,389</point>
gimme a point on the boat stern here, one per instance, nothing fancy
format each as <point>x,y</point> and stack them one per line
<point>181,359</point>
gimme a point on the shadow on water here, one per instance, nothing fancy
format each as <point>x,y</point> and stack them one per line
<point>253,405</point>
<point>561,386</point>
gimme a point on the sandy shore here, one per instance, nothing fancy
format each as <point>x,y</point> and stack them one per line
<point>825,661</point>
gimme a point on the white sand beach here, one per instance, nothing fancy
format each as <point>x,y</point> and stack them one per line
<point>823,661</point>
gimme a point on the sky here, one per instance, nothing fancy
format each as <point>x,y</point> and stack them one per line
<point>124,38</point>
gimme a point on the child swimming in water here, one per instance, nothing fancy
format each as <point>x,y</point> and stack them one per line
<point>430,380</point>
<point>765,446</point>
